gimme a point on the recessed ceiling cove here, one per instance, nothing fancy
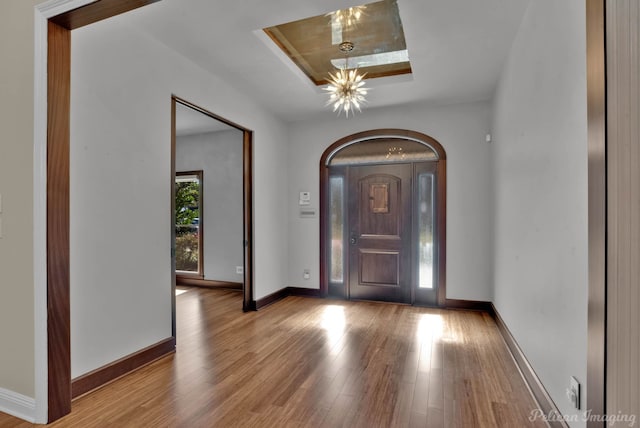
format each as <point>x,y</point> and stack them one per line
<point>374,29</point>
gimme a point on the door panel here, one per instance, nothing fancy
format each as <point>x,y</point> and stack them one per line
<point>380,232</point>
<point>379,268</point>
<point>379,209</point>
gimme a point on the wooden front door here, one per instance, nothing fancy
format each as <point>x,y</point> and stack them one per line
<point>379,234</point>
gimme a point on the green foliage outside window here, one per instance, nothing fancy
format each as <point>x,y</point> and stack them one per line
<point>187,212</point>
<point>187,194</point>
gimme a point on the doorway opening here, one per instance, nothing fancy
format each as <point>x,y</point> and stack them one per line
<point>383,218</point>
<point>211,190</point>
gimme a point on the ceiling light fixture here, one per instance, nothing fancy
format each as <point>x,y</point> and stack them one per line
<point>346,87</point>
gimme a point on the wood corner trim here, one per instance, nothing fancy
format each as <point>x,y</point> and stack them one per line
<point>470,305</point>
<point>270,298</point>
<point>196,281</point>
<point>307,292</point>
<point>115,370</point>
<point>285,292</point>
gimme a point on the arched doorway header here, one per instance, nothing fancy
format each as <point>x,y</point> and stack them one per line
<point>382,135</point>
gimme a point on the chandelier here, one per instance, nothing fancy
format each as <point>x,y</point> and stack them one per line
<point>346,87</point>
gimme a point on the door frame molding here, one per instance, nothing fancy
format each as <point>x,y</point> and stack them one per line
<point>441,194</point>
<point>597,207</point>
<point>53,22</point>
<point>247,198</point>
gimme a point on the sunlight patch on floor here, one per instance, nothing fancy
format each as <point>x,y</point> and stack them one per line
<point>333,322</point>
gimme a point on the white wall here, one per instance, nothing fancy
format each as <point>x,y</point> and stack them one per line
<point>219,156</point>
<point>122,82</point>
<point>16,187</point>
<point>461,129</point>
<point>540,153</point>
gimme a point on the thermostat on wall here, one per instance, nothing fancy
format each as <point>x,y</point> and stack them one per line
<point>305,198</point>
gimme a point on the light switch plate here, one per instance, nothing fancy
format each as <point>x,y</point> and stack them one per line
<point>573,392</point>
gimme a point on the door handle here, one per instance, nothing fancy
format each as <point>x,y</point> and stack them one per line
<point>352,240</point>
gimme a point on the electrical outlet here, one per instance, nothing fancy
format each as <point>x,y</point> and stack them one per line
<point>239,270</point>
<point>306,274</point>
<point>573,392</point>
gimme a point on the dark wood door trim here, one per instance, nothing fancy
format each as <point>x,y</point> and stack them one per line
<point>441,218</point>
<point>247,183</point>
<point>94,12</point>
<point>441,178</point>
<point>116,369</point>
<point>58,300</point>
<point>58,143</point>
<point>247,168</point>
<point>597,208</point>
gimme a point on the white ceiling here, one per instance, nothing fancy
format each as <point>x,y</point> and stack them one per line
<point>457,48</point>
<point>190,121</point>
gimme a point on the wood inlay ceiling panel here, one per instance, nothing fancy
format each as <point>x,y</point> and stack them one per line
<point>380,48</point>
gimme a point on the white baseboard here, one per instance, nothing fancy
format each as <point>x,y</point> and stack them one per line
<point>17,405</point>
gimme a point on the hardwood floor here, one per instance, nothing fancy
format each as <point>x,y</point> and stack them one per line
<point>305,362</point>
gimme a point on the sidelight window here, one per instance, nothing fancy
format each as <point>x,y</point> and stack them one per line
<point>336,213</point>
<point>425,230</point>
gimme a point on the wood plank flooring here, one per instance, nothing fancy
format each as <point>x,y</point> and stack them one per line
<point>305,362</point>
